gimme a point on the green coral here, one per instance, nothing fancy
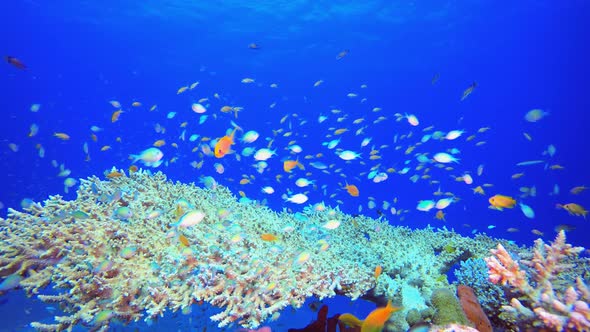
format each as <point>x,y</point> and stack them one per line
<point>448,308</point>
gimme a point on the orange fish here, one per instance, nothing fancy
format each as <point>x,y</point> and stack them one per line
<point>378,271</point>
<point>352,190</point>
<point>224,144</point>
<point>440,215</point>
<point>500,202</point>
<point>114,174</point>
<point>288,165</point>
<point>133,169</point>
<point>15,62</point>
<point>268,237</point>
<point>374,321</point>
<point>183,240</point>
<point>115,116</point>
<point>159,143</point>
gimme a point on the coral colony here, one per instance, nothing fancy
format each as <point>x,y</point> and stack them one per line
<point>133,247</point>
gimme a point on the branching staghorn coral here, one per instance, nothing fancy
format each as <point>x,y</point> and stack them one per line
<point>117,252</point>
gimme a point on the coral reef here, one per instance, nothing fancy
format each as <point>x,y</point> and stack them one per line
<point>474,273</point>
<point>549,297</point>
<point>118,252</point>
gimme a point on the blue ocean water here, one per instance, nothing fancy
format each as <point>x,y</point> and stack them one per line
<point>414,58</point>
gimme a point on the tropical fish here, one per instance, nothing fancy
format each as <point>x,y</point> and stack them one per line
<point>443,203</point>
<point>114,174</point>
<point>123,213</point>
<point>374,322</point>
<point>529,162</point>
<point>378,270</point>
<point>454,134</point>
<point>303,182</point>
<point>288,165</point>
<point>268,237</point>
<point>332,224</point>
<point>527,210</point>
<point>573,209</point>
<point>224,144</point>
<point>250,136</point>
<point>115,116</point>
<point>440,215</point>
<point>444,158</point>
<point>500,202</point>
<point>425,205</point>
<point>535,115</point>
<point>478,190</point>
<point>10,282</point>
<point>352,190</point>
<point>151,157</point>
<point>348,155</point>
<point>268,190</point>
<point>263,154</point>
<point>342,54</point>
<point>189,219</point>
<point>412,119</point>
<point>253,46</point>
<point>33,130</point>
<point>297,199</point>
<point>198,108</point>
<point>15,62</point>
<point>184,240</point>
<point>468,91</point>
<point>62,136</point>
<point>578,190</point>
<point>435,78</point>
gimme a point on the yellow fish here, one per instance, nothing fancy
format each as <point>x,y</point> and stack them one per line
<point>500,202</point>
<point>115,116</point>
<point>573,209</point>
<point>478,190</point>
<point>62,136</point>
<point>340,131</point>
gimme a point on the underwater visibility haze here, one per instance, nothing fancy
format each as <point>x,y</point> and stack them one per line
<point>294,165</point>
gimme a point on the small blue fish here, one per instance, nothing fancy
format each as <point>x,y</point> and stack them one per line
<point>11,282</point>
<point>527,211</point>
